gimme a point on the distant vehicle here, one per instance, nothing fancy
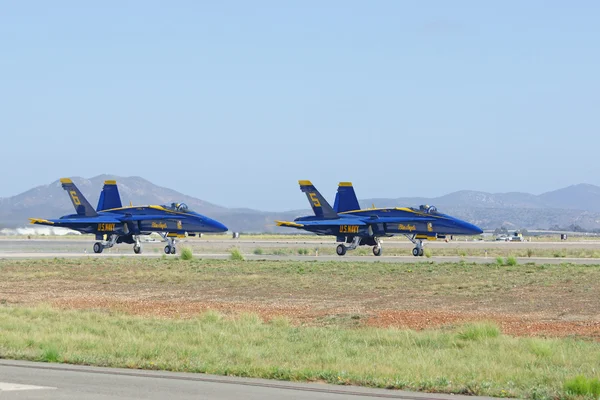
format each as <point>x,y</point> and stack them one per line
<point>112,223</point>
<point>357,227</point>
<point>517,237</point>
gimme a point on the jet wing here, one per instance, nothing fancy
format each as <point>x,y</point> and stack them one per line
<point>397,220</point>
<point>325,222</point>
<point>146,217</point>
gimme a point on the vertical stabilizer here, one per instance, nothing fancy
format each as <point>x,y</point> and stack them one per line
<point>109,197</point>
<point>82,206</point>
<point>318,203</point>
<point>345,198</point>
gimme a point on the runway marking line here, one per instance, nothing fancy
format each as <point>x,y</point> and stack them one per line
<point>13,387</point>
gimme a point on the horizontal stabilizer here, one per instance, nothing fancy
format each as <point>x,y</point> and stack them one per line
<point>72,222</point>
<point>290,224</point>
<point>40,221</point>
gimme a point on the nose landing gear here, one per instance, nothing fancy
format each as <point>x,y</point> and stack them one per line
<point>170,249</point>
<point>418,250</point>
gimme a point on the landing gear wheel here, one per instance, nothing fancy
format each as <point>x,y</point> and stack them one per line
<point>421,252</point>
<point>377,250</point>
<point>167,249</point>
<point>173,250</point>
<point>416,252</point>
<point>137,249</point>
<point>98,247</point>
<point>340,250</point>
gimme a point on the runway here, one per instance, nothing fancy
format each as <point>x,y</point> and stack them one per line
<point>346,258</point>
<point>220,249</point>
<point>29,380</point>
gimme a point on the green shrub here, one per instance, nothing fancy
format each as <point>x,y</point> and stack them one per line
<point>500,261</point>
<point>560,253</point>
<point>479,331</point>
<point>258,251</point>
<point>428,253</point>
<point>529,252</point>
<point>580,385</point>
<point>186,254</point>
<point>236,254</point>
<point>512,261</point>
<point>50,354</point>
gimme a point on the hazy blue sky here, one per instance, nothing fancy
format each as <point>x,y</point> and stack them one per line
<point>234,101</point>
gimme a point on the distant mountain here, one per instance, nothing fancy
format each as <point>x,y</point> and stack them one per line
<point>573,205</point>
<point>577,204</point>
<point>575,197</point>
<point>50,201</point>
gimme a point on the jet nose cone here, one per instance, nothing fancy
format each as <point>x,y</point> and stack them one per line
<point>217,226</point>
<point>472,229</point>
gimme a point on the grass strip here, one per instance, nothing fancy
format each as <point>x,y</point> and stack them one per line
<point>471,359</point>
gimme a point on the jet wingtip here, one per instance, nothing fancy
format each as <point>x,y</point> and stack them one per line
<point>305,183</point>
<point>65,180</point>
<point>345,184</point>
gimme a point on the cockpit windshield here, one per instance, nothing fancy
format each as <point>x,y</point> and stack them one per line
<point>179,207</point>
<point>427,209</point>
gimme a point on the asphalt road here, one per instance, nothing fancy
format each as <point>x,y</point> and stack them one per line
<point>28,380</point>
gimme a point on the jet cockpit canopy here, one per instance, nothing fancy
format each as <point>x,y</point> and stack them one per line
<point>428,209</point>
<point>179,207</point>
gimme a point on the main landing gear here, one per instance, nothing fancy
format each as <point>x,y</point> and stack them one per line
<point>418,250</point>
<point>137,247</point>
<point>341,249</point>
<point>99,246</point>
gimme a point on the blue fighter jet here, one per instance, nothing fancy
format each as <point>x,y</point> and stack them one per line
<point>357,227</point>
<point>112,223</point>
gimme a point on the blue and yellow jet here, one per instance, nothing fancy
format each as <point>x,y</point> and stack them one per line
<point>359,227</point>
<point>112,223</point>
